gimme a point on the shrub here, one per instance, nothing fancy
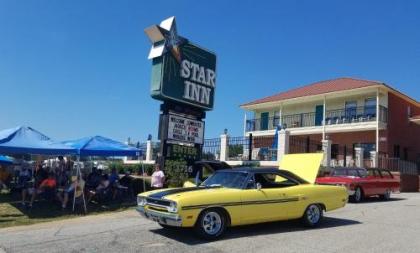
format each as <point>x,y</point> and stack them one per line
<point>176,172</point>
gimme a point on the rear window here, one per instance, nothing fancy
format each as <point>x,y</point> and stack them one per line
<point>337,173</point>
<point>352,172</point>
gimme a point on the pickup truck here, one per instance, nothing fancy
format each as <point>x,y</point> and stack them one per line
<point>362,183</point>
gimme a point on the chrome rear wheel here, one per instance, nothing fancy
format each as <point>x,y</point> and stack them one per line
<point>313,215</point>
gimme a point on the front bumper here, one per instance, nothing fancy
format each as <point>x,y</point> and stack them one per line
<point>169,219</point>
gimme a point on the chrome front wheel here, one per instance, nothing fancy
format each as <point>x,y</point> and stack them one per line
<point>211,224</point>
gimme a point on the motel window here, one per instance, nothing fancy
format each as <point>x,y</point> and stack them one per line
<point>367,147</point>
<point>370,107</point>
<point>409,111</point>
<point>276,119</point>
<point>405,154</point>
<point>351,109</point>
<point>397,151</point>
<point>334,151</point>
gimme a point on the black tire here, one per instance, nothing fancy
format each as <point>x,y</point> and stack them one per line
<point>357,196</point>
<point>386,195</point>
<point>211,224</point>
<point>313,215</point>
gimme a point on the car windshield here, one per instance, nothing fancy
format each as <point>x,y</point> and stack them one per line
<point>226,179</point>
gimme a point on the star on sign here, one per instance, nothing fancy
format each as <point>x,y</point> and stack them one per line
<point>164,38</point>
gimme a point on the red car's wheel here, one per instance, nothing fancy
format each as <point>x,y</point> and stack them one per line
<point>386,195</point>
<point>358,195</point>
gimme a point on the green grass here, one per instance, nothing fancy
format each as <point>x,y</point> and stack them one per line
<point>12,213</point>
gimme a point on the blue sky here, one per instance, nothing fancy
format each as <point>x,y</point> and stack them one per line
<point>78,68</point>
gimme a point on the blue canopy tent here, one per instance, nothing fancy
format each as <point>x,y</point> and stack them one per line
<point>99,146</point>
<point>26,140</point>
<point>5,160</point>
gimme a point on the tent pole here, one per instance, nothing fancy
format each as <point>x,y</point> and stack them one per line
<point>142,174</point>
<point>76,182</point>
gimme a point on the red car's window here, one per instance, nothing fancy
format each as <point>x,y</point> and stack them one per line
<point>386,174</point>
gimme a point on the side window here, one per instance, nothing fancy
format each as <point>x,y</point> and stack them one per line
<point>371,173</point>
<point>272,180</point>
<point>251,183</point>
<point>207,171</point>
<point>386,174</point>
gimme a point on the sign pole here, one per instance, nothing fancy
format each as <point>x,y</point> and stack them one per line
<point>184,78</point>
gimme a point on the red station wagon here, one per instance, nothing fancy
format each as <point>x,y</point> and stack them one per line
<point>361,183</point>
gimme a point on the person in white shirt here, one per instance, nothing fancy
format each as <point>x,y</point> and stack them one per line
<point>158,178</point>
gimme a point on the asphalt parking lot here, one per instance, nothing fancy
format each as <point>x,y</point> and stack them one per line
<point>372,226</point>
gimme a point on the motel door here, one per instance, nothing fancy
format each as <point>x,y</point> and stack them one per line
<point>264,121</point>
<point>319,111</point>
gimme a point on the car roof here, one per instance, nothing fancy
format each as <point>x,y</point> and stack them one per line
<point>284,173</point>
<point>251,170</point>
<point>347,168</point>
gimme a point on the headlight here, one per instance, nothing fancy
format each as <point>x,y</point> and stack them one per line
<point>173,208</point>
<point>141,201</point>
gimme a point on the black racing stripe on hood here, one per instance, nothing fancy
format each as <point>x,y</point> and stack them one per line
<point>162,194</point>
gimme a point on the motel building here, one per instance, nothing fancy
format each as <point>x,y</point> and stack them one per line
<point>350,115</point>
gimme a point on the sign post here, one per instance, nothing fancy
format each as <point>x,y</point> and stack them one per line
<point>184,78</point>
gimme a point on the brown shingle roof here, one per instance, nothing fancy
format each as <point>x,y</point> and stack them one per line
<point>322,87</point>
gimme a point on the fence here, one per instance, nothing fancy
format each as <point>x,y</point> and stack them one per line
<point>211,149</point>
<point>264,148</point>
<point>396,164</point>
<point>260,148</point>
<point>238,148</point>
<point>299,144</point>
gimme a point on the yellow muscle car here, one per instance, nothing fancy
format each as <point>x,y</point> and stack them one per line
<point>245,196</point>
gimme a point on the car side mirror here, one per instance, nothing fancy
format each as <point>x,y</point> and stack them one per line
<point>258,186</point>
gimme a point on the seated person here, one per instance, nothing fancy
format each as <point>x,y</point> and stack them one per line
<point>74,190</point>
<point>63,184</point>
<point>5,178</point>
<point>28,188</point>
<point>47,186</point>
<point>113,177</point>
<point>127,179</point>
<point>101,188</point>
<point>94,178</point>
<point>24,175</point>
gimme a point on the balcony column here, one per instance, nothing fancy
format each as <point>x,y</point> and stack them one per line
<point>281,115</point>
<point>323,118</point>
<point>244,123</point>
<point>377,120</point>
<point>326,147</point>
<point>282,143</point>
<point>224,147</point>
<point>359,157</point>
<point>374,158</point>
<point>149,151</point>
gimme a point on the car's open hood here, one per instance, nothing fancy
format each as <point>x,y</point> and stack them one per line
<point>305,166</point>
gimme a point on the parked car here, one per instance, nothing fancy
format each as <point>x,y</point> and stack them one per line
<point>361,183</point>
<point>201,170</point>
<point>242,196</point>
